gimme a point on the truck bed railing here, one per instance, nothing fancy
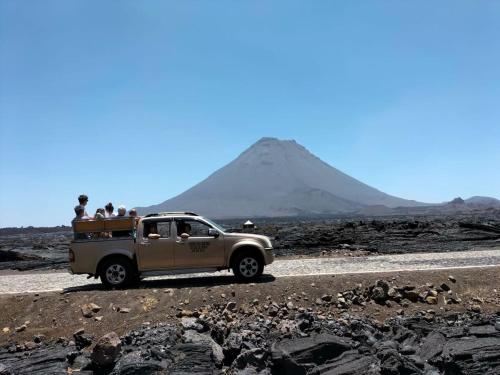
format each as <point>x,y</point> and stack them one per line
<point>104,225</point>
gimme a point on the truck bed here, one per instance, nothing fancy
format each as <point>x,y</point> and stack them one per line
<point>88,253</point>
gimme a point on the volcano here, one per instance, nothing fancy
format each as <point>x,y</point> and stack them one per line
<point>278,178</point>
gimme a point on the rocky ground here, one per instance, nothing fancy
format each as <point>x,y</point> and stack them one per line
<point>384,235</point>
<point>28,251</point>
<point>430,322</point>
<point>47,248</point>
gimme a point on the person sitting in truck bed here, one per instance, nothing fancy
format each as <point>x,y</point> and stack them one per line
<point>100,215</point>
<point>80,215</point>
<point>133,213</point>
<point>82,201</point>
<point>109,210</point>
<point>121,233</point>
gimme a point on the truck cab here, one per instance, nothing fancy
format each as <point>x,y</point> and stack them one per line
<point>162,244</point>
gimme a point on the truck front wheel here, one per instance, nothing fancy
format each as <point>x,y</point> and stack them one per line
<point>117,272</point>
<point>248,266</point>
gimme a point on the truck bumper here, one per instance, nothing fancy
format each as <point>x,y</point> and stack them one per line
<point>269,255</point>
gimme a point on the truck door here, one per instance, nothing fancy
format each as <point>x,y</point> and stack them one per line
<point>199,250</point>
<point>156,254</point>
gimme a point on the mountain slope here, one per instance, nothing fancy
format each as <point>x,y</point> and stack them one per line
<point>277,178</point>
<point>485,201</point>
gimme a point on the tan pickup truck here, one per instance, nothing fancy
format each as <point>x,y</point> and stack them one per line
<point>123,250</point>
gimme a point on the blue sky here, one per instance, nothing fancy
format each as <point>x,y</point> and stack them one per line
<point>136,101</point>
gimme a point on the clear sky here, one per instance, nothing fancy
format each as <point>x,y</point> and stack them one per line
<point>136,101</point>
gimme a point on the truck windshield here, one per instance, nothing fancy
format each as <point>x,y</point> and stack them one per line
<point>216,226</point>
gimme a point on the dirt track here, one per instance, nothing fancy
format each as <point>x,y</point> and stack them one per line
<point>58,281</point>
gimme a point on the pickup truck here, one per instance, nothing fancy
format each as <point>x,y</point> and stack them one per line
<point>123,250</point>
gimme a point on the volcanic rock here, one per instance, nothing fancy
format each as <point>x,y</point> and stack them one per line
<point>432,345</point>
<point>254,358</point>
<point>468,355</point>
<point>232,346</point>
<point>107,349</point>
<point>89,309</point>
<point>206,341</point>
<point>193,324</point>
<point>295,355</point>
<point>431,300</point>
<point>445,287</point>
<point>231,306</point>
<point>45,360</point>
<point>82,340</point>
<point>327,297</point>
<point>21,328</point>
<point>349,363</point>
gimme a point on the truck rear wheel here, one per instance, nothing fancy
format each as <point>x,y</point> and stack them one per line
<point>117,272</point>
<point>248,266</point>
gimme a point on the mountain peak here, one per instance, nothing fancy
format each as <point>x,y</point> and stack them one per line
<point>268,139</point>
<point>276,177</point>
<point>273,140</point>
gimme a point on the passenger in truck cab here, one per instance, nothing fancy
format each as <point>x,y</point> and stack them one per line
<point>150,228</point>
<point>183,227</point>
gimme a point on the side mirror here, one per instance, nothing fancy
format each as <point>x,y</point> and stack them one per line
<point>154,236</point>
<point>184,236</point>
<point>213,232</point>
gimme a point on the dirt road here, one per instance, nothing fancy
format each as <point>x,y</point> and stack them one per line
<point>58,281</point>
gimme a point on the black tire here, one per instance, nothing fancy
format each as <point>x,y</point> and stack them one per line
<point>117,272</point>
<point>248,266</point>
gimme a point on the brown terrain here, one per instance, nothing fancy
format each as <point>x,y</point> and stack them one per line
<point>215,316</point>
<point>61,314</point>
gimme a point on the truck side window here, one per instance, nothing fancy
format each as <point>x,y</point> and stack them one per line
<point>164,229</point>
<point>157,227</point>
<point>192,227</point>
